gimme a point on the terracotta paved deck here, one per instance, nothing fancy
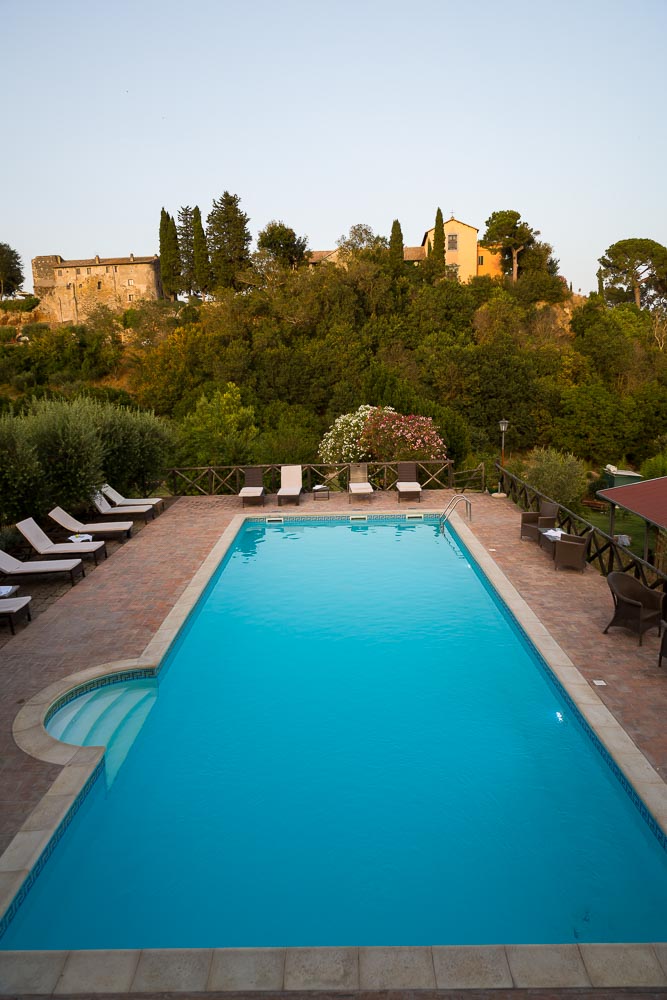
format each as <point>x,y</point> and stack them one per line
<point>116,609</point>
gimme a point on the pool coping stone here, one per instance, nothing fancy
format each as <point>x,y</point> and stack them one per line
<point>298,969</point>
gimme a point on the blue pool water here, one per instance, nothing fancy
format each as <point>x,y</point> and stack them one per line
<point>351,744</point>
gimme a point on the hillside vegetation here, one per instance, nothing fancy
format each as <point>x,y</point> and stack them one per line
<point>291,349</point>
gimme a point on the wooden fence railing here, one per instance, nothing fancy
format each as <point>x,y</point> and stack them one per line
<point>217,480</point>
<point>603,552</point>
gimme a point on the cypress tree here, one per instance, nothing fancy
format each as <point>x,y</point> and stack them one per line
<point>185,230</point>
<point>170,265</point>
<point>228,239</point>
<point>396,246</point>
<point>439,239</point>
<point>201,265</point>
<point>164,226</point>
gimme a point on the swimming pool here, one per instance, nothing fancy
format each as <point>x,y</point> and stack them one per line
<point>397,767</point>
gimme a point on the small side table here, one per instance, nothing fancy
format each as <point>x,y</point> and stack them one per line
<point>321,493</point>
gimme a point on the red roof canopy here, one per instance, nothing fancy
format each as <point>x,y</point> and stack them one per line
<point>647,499</point>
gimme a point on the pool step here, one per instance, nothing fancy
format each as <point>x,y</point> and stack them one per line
<point>111,716</point>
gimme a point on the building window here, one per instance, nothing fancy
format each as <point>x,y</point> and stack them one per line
<point>99,285</point>
<point>480,260</point>
<point>60,272</point>
<point>80,285</point>
<point>78,270</point>
<point>87,270</point>
<point>115,268</point>
<point>130,281</point>
<point>107,268</point>
<point>130,298</point>
<point>69,284</point>
<point>452,241</point>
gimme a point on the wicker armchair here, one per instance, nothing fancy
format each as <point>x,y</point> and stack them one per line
<point>532,522</point>
<point>572,551</point>
<point>636,607</point>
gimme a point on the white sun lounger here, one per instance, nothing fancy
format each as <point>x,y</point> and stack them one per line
<point>11,606</point>
<point>358,485</point>
<point>113,528</point>
<point>144,510</point>
<point>11,567</point>
<point>291,483</point>
<point>43,545</point>
<point>121,501</point>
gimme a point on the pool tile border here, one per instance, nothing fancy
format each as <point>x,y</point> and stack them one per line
<point>298,969</point>
<point>346,970</point>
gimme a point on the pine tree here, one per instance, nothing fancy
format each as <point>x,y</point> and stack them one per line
<point>201,265</point>
<point>396,255</point>
<point>185,231</point>
<point>228,240</point>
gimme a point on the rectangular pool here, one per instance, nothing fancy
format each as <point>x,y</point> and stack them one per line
<point>352,744</point>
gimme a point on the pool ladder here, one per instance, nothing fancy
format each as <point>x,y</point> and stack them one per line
<point>444,517</point>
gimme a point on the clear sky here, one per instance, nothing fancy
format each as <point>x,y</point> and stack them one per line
<point>327,114</point>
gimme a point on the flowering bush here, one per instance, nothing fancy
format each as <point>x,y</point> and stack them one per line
<point>341,441</point>
<point>378,433</point>
<point>391,437</point>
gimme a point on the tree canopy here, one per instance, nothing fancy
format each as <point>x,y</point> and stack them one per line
<point>228,239</point>
<point>508,235</point>
<point>634,270</point>
<point>282,244</point>
<point>11,270</point>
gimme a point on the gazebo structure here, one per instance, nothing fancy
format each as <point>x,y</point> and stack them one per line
<point>647,500</point>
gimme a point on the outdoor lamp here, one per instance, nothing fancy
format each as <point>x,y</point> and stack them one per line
<point>504,424</point>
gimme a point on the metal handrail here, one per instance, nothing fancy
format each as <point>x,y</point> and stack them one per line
<point>450,507</point>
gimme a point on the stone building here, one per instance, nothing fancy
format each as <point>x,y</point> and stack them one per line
<point>69,290</point>
<point>463,252</point>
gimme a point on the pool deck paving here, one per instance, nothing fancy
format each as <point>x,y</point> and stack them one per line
<point>115,614</point>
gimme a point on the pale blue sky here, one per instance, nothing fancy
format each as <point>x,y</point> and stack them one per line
<point>329,114</point>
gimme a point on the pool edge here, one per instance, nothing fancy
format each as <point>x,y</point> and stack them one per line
<point>290,969</point>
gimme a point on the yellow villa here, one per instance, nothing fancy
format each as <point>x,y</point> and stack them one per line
<point>463,252</point>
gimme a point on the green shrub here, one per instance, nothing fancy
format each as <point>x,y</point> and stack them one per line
<point>69,451</point>
<point>219,431</point>
<point>558,475</point>
<point>20,471</point>
<point>654,468</point>
<point>136,444</point>
<point>26,304</point>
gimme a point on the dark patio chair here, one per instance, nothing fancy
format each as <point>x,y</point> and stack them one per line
<point>636,607</point>
<point>407,485</point>
<point>572,551</point>
<point>253,491</point>
<point>532,522</point>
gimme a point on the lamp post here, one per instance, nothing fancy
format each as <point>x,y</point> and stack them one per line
<point>504,424</point>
